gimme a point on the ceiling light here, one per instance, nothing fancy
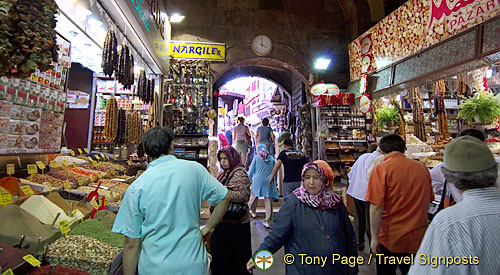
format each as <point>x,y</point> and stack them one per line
<point>176,18</point>
<point>322,63</point>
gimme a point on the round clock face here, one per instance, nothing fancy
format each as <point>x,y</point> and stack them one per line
<point>262,45</point>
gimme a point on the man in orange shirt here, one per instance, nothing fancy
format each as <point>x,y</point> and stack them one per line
<point>399,192</point>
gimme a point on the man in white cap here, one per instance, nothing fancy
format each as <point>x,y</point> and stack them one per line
<point>464,239</point>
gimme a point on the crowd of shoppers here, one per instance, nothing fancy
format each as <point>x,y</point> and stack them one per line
<point>160,213</point>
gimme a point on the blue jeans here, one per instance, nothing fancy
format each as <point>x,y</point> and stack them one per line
<point>288,187</point>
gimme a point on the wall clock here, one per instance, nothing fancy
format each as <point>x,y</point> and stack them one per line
<point>262,45</point>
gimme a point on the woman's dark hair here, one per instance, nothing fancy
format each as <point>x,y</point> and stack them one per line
<point>157,141</point>
<point>288,142</point>
<point>265,122</point>
<point>473,133</point>
<point>392,143</point>
<point>241,119</point>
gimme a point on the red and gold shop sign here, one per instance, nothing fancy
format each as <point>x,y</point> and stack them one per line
<point>338,99</point>
<point>414,26</point>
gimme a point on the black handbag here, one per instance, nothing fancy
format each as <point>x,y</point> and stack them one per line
<point>235,210</point>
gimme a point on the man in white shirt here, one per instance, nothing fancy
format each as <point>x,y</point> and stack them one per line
<point>438,179</point>
<point>463,238</point>
<point>358,182</point>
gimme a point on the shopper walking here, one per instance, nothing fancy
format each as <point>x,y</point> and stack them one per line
<point>262,184</point>
<point>467,231</point>
<point>231,241</point>
<point>293,160</point>
<point>358,182</point>
<point>265,135</point>
<point>160,213</point>
<point>313,220</point>
<point>399,192</point>
<point>240,138</point>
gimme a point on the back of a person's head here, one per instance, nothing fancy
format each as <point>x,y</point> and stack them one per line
<point>372,147</point>
<point>288,142</point>
<point>241,119</point>
<point>265,122</point>
<point>392,143</point>
<point>157,141</point>
<point>473,133</point>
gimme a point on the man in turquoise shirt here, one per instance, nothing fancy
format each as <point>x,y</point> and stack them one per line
<point>160,212</point>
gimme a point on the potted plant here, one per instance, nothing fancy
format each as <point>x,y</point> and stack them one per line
<point>480,109</point>
<point>387,117</point>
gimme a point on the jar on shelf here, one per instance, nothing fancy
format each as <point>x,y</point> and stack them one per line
<point>116,151</point>
<point>124,152</point>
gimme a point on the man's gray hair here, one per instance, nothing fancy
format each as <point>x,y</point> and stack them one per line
<point>472,180</point>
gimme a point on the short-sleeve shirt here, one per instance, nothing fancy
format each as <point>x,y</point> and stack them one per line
<point>162,208</point>
<point>403,187</point>
<point>264,134</point>
<point>293,160</point>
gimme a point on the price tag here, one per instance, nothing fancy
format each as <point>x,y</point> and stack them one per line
<point>86,150</point>
<point>80,151</point>
<point>97,157</point>
<point>8,272</point>
<point>92,178</point>
<point>94,204</point>
<point>90,159</point>
<point>107,158</point>
<point>63,225</point>
<point>114,157</point>
<point>67,185</point>
<point>32,169</point>
<point>105,201</point>
<point>64,164</point>
<point>5,198</point>
<point>80,181</point>
<point>113,173</point>
<point>72,153</point>
<point>53,164</point>
<point>103,156</point>
<point>78,214</point>
<point>60,154</point>
<point>27,190</point>
<point>40,165</point>
<point>129,162</point>
<point>10,169</point>
<point>48,185</point>
<point>94,163</point>
<point>32,260</point>
<point>107,174</point>
<point>111,195</point>
<point>74,165</point>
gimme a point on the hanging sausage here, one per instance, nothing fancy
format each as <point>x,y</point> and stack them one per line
<point>109,54</point>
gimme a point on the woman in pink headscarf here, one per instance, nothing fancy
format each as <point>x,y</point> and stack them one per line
<point>231,241</point>
<point>315,222</point>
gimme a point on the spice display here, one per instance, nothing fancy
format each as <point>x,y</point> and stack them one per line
<point>84,172</point>
<point>440,109</point>
<point>44,210</point>
<point>41,178</point>
<point>63,177</point>
<point>47,269</point>
<point>102,192</point>
<point>11,257</point>
<point>107,218</point>
<point>113,166</point>
<point>125,73</point>
<point>91,170</point>
<point>73,176</point>
<point>16,222</point>
<point>55,198</point>
<point>109,54</point>
<point>11,184</point>
<point>111,120</point>
<point>106,184</point>
<point>69,160</point>
<point>418,114</point>
<point>133,169</point>
<point>95,229</point>
<point>27,39</point>
<point>82,252</point>
<point>120,188</point>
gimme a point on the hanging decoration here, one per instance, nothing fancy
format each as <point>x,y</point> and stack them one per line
<point>401,123</point>
<point>109,54</point>
<point>440,109</point>
<point>418,114</point>
<point>27,37</point>
<point>125,72</point>
<point>111,120</point>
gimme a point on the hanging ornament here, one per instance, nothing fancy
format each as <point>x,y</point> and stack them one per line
<point>216,94</point>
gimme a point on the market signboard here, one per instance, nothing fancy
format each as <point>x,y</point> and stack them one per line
<point>198,50</point>
<point>414,26</point>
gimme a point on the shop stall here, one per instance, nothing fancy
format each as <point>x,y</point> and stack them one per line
<point>75,97</point>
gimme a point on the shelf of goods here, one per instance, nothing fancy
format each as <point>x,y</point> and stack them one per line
<point>32,109</point>
<point>188,97</point>
<point>192,147</point>
<point>345,140</point>
<point>136,111</point>
<point>35,208</point>
<point>431,124</point>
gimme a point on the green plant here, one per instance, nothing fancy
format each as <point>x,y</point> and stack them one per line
<point>480,107</point>
<point>387,116</point>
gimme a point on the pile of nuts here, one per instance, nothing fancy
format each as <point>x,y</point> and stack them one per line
<point>82,252</point>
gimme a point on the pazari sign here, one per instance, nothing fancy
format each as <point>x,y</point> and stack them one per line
<point>414,26</point>
<point>198,50</point>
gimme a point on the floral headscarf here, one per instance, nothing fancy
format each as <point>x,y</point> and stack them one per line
<point>325,199</point>
<point>234,161</point>
<point>328,171</point>
<point>263,152</point>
